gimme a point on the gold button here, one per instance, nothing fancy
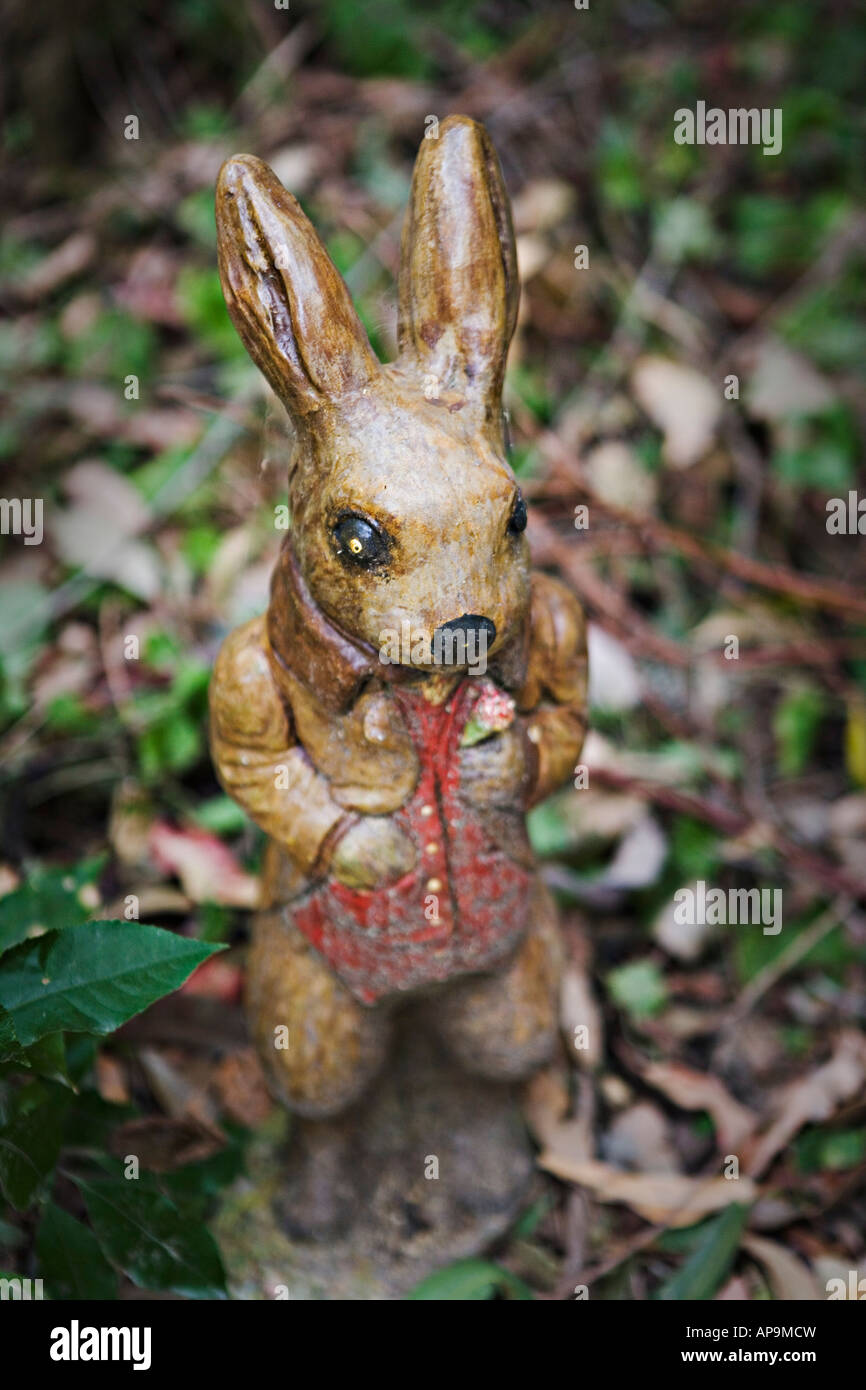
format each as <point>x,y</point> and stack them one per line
<point>434,885</point>
<point>432,848</point>
<point>426,811</point>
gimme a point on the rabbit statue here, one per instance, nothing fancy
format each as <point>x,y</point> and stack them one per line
<point>412,690</point>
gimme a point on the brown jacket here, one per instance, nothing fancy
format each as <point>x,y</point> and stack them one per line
<point>306,735</point>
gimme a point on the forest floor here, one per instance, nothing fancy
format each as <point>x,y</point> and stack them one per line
<point>685,394</point>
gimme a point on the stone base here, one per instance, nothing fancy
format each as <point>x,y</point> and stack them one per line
<point>397,1224</point>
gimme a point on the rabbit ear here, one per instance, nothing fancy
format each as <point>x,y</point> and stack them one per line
<point>283,292</point>
<point>458,277</point>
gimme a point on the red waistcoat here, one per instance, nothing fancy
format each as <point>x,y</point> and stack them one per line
<point>462,909</point>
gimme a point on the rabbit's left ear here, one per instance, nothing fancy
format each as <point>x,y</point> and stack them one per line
<point>458,275</point>
<point>284,294</point>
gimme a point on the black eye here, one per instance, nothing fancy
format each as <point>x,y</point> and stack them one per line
<point>517,520</point>
<point>360,541</point>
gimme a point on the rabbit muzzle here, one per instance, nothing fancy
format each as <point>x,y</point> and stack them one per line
<point>463,642</point>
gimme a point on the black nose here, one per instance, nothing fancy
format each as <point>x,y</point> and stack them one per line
<point>470,634</point>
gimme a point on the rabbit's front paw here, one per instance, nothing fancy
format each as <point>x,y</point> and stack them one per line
<point>495,772</point>
<point>372,854</point>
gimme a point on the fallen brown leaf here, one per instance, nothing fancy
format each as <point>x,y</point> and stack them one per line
<point>217,979</point>
<point>682,403</point>
<point>546,1102</point>
<point>239,1083</point>
<point>695,1090</point>
<point>546,1107</point>
<point>812,1098</point>
<point>176,1084</point>
<point>67,260</point>
<point>789,1278</point>
<point>205,866</point>
<point>112,1082</point>
<point>98,531</point>
<point>578,1008</point>
<point>662,1198</point>
<point>640,1138</point>
<point>162,1142</point>
<point>736,1290</point>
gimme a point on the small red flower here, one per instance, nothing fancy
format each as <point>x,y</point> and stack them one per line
<point>495,710</point>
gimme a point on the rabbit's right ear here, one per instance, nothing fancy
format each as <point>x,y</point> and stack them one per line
<point>286,298</point>
<point>458,273</point>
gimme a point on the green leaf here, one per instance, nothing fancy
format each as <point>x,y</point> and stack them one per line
<point>471,1280</point>
<point>620,168</point>
<point>638,987</point>
<point>754,952</point>
<point>201,302</point>
<point>684,231</point>
<point>828,325</point>
<point>49,901</point>
<point>25,616</point>
<point>70,1258</point>
<point>773,234</point>
<point>67,714</point>
<point>549,831</point>
<point>81,1050</point>
<point>91,1121</point>
<point>93,977</point>
<point>143,1233</point>
<point>815,1149</point>
<point>796,720</point>
<point>10,1048</point>
<point>172,745</point>
<point>195,216</point>
<point>200,545</point>
<point>707,1267</point>
<point>394,41</point>
<point>531,388</point>
<point>820,451</point>
<point>694,848</point>
<point>29,1145</point>
<point>114,336</point>
<point>855,740</point>
<point>524,1226</point>
<point>221,816</point>
<point>47,1057</point>
<point>195,1186</point>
